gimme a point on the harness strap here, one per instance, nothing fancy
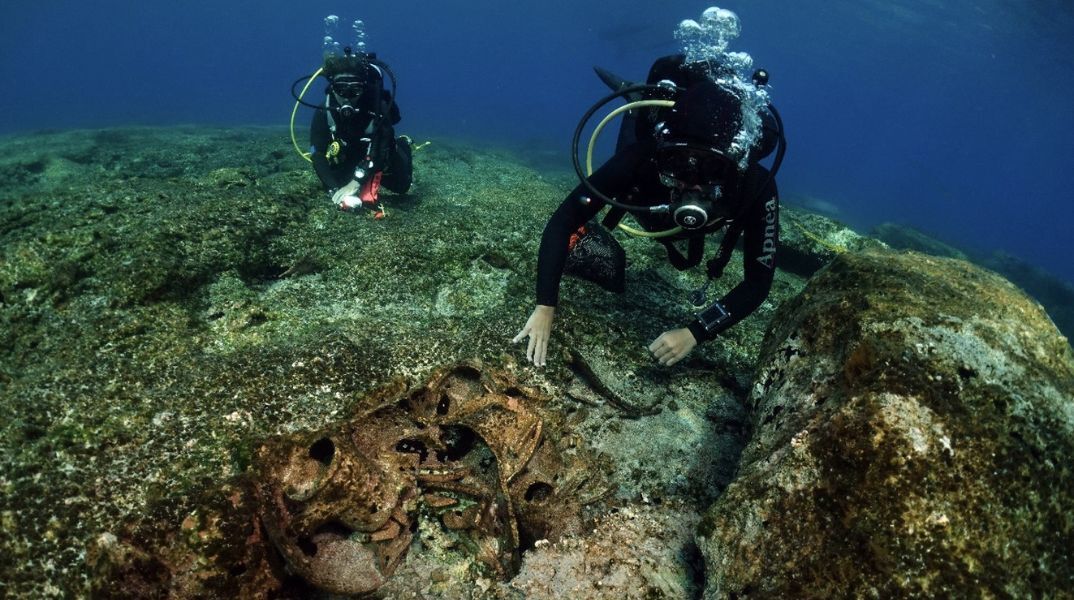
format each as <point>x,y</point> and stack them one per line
<point>614,216</point>
<point>695,251</point>
<point>716,265</point>
<point>328,115</point>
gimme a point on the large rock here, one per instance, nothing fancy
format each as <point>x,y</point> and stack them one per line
<point>1054,294</point>
<point>904,237</point>
<point>808,241</point>
<point>913,436</point>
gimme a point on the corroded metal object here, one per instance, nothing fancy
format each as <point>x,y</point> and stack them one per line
<point>469,449</point>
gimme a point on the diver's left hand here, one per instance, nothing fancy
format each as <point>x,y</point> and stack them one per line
<point>672,346</point>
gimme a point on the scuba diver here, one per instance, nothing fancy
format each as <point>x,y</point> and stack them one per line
<point>353,146</point>
<point>685,166</point>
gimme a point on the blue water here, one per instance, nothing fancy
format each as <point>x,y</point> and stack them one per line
<point>950,116</point>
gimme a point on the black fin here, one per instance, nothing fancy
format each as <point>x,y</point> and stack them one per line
<point>615,82</point>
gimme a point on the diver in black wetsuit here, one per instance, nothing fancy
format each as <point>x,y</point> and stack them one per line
<point>683,160</point>
<point>353,145</point>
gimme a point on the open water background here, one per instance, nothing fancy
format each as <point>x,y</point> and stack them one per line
<point>953,117</point>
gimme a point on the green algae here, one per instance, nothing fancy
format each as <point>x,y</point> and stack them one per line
<point>170,297</point>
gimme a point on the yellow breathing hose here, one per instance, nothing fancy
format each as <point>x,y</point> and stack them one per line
<point>593,143</point>
<point>816,238</point>
<point>305,155</point>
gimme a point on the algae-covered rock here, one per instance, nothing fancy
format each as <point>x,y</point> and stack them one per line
<point>913,436</point>
<point>1054,294</point>
<point>808,241</point>
<point>904,237</point>
<point>638,552</point>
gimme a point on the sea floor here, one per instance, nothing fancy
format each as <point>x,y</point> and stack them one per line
<point>171,297</point>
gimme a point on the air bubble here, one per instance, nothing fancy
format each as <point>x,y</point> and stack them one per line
<point>331,47</point>
<point>359,34</point>
<point>704,44</point>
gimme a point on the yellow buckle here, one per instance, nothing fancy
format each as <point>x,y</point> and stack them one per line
<point>332,154</point>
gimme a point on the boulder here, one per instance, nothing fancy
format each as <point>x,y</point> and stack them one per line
<point>904,237</point>
<point>913,436</point>
<point>1054,294</point>
<point>808,241</point>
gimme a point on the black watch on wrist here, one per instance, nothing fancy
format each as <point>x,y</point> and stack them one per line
<point>713,317</point>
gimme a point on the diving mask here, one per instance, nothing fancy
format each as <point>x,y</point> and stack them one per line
<point>684,165</point>
<point>347,91</point>
<point>348,88</point>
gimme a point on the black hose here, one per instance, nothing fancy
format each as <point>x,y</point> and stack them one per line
<point>578,135</point>
<point>781,148</point>
<point>300,100</point>
<point>391,75</point>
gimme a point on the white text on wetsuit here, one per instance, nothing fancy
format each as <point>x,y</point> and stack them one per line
<point>768,249</point>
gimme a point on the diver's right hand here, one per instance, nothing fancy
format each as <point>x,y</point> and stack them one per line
<point>538,328</point>
<point>350,189</point>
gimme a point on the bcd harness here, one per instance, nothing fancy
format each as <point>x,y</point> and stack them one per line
<point>335,150</point>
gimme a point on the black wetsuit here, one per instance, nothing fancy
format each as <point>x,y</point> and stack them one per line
<point>368,135</point>
<point>631,177</point>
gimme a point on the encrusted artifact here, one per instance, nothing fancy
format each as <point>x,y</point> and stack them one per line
<point>342,505</point>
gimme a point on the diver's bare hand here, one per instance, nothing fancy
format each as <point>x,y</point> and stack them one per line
<point>538,328</point>
<point>672,346</point>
